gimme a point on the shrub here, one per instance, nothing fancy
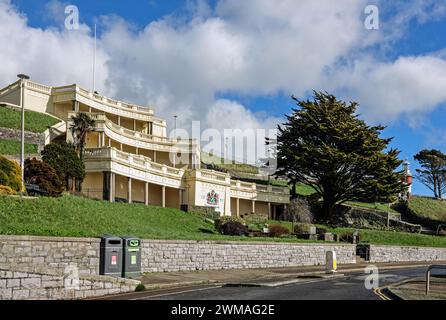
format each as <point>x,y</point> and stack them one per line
<point>63,158</point>
<point>278,230</point>
<point>6,191</point>
<point>140,287</point>
<point>10,174</point>
<point>205,212</point>
<point>302,228</point>
<point>234,228</point>
<point>348,237</point>
<point>44,176</point>
<point>218,223</point>
<point>321,230</point>
<point>256,219</point>
<point>299,210</point>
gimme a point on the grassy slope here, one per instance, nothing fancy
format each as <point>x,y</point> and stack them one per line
<point>428,208</point>
<point>79,217</point>
<point>12,148</point>
<point>306,190</point>
<point>232,166</point>
<point>385,237</point>
<point>34,121</point>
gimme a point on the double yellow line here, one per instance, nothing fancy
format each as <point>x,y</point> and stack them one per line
<point>379,293</point>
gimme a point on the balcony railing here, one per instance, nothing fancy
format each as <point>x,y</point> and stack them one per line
<point>102,99</point>
<point>131,160</point>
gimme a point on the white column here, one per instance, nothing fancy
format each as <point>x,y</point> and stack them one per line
<point>180,198</point>
<point>163,196</point>
<point>129,191</point>
<point>146,194</point>
<point>269,210</point>
<point>253,206</point>
<point>154,156</point>
<point>238,207</point>
<point>119,120</point>
<point>112,187</point>
<point>99,140</point>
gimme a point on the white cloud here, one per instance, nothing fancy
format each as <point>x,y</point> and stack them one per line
<point>51,56</point>
<point>407,86</point>
<point>252,47</point>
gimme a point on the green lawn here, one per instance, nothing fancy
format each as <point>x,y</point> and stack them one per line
<point>79,217</point>
<point>375,206</point>
<point>12,148</point>
<point>396,238</point>
<point>428,208</point>
<point>228,165</point>
<point>34,121</point>
<point>304,189</point>
<point>384,237</point>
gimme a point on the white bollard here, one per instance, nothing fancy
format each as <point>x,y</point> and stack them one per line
<point>330,262</point>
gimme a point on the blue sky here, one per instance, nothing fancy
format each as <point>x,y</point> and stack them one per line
<point>235,63</point>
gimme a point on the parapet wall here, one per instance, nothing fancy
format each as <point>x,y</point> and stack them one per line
<point>406,254</point>
<point>169,256</point>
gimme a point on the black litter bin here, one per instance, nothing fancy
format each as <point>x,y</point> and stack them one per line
<point>111,256</point>
<point>132,257</point>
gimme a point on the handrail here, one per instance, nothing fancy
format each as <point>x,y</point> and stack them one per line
<point>103,99</point>
<point>150,138</point>
<point>139,161</point>
<point>428,274</point>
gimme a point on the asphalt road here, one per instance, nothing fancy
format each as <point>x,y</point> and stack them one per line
<point>350,287</point>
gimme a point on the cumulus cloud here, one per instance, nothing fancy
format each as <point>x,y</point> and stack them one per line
<point>180,64</point>
<point>409,85</point>
<point>51,56</point>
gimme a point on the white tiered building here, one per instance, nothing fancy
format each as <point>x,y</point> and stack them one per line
<point>128,155</point>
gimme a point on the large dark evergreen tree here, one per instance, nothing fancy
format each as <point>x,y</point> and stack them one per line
<point>433,171</point>
<point>325,145</point>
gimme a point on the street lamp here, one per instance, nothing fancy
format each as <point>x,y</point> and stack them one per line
<point>22,78</point>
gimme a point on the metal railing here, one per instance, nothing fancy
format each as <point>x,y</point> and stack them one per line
<point>428,274</point>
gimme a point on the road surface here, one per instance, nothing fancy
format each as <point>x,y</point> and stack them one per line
<point>350,287</point>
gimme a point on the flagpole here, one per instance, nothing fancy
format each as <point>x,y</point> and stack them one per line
<point>94,60</point>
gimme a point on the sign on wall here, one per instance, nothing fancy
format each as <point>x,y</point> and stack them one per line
<point>213,198</point>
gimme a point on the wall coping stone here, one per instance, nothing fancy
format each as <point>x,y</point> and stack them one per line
<point>46,238</point>
<point>266,243</point>
<point>405,246</point>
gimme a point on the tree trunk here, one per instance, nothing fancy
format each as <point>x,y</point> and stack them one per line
<point>328,208</point>
<point>293,191</point>
<point>79,185</point>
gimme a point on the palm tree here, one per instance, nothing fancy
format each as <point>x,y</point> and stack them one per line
<point>81,125</point>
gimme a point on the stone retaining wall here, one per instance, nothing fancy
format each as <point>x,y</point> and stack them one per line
<point>406,254</point>
<point>30,137</point>
<point>169,256</point>
<point>52,252</point>
<point>19,283</point>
